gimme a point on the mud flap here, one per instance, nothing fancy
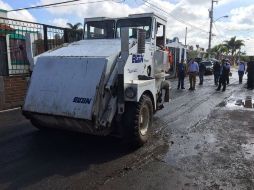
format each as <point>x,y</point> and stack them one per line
<point>165,87</point>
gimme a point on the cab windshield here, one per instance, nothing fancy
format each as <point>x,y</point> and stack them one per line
<point>100,29</point>
<point>133,24</point>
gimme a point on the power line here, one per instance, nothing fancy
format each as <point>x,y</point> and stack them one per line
<point>42,6</point>
<point>59,4</point>
<point>153,6</point>
<point>219,33</point>
<point>91,2</point>
<point>66,3</point>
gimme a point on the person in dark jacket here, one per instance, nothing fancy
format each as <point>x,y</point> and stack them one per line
<point>202,69</point>
<point>216,72</point>
<point>181,72</point>
<point>223,77</point>
<point>227,71</point>
<point>250,71</point>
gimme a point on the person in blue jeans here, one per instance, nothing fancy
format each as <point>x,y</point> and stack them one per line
<point>181,72</point>
<point>216,72</point>
<point>241,71</point>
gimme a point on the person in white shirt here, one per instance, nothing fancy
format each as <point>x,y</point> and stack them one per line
<point>241,70</point>
<point>193,70</point>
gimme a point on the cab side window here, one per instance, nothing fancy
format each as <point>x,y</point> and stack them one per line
<point>160,35</point>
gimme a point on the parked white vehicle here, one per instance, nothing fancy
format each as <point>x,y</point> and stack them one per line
<point>110,83</point>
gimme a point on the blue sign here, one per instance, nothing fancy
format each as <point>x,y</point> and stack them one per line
<point>137,58</point>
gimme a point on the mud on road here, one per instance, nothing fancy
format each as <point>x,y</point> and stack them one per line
<point>200,140</point>
<point>210,137</point>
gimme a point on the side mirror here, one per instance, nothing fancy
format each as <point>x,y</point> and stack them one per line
<point>141,41</point>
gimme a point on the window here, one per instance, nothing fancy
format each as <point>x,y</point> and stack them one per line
<point>160,35</point>
<point>133,24</point>
<point>100,29</point>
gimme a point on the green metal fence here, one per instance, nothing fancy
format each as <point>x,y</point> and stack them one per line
<point>13,56</point>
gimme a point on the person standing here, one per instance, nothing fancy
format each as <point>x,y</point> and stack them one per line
<point>181,72</point>
<point>227,71</point>
<point>193,70</point>
<point>223,76</point>
<point>250,71</point>
<point>241,70</point>
<point>216,72</point>
<point>202,69</point>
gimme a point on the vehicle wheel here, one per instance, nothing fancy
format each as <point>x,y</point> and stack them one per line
<point>137,120</point>
<point>38,125</point>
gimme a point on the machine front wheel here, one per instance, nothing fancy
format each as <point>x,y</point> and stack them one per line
<point>138,119</point>
<point>39,126</point>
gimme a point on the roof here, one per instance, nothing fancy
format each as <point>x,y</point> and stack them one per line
<point>98,19</point>
<point>3,11</point>
<point>161,19</point>
<point>175,43</point>
<point>6,27</point>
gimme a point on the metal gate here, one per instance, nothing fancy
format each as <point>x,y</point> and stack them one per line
<point>13,56</point>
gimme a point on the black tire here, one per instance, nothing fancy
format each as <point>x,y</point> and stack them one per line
<point>39,126</point>
<point>137,121</point>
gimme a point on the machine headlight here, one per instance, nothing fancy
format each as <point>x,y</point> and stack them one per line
<point>130,92</point>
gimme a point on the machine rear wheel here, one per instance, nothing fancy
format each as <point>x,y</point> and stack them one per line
<point>138,119</point>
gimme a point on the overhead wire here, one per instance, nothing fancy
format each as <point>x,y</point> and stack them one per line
<point>219,35</point>
<point>67,3</point>
<point>42,6</point>
<point>90,2</point>
<point>61,4</point>
<point>153,6</point>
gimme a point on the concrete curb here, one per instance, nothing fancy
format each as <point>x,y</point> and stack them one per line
<point>9,110</point>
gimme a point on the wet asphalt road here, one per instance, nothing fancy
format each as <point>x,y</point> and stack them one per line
<point>200,140</point>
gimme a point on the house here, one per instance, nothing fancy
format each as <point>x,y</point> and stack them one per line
<point>178,52</point>
<point>14,64</point>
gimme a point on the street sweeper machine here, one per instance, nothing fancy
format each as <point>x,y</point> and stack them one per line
<point>112,82</point>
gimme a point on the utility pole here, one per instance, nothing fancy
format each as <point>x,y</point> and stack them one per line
<point>185,43</point>
<point>211,27</point>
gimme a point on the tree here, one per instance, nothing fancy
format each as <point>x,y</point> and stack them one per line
<point>233,45</point>
<point>74,27</point>
<point>75,32</point>
<point>219,50</point>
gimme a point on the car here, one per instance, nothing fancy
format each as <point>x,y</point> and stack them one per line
<point>208,66</point>
<point>198,59</point>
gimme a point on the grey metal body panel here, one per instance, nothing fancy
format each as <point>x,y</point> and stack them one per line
<point>57,81</point>
<point>88,48</point>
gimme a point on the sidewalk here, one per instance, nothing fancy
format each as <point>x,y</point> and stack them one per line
<point>12,116</point>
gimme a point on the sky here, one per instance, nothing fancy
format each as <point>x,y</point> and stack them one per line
<point>192,14</point>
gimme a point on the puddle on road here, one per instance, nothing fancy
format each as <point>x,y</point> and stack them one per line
<point>234,102</point>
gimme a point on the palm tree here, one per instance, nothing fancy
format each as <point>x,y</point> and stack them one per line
<point>75,32</point>
<point>74,27</point>
<point>233,45</point>
<point>219,50</point>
